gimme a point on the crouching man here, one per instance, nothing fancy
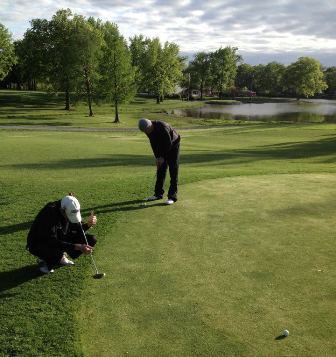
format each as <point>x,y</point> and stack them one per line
<point>56,230</point>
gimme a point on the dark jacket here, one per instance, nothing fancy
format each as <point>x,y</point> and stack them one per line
<point>163,138</point>
<point>50,227</point>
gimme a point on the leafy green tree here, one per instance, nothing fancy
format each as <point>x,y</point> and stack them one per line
<point>117,82</point>
<point>87,42</point>
<point>330,78</point>
<point>63,60</point>
<point>245,76</point>
<point>138,48</point>
<point>172,67</point>
<point>7,53</point>
<point>258,78</point>
<point>199,69</point>
<point>223,68</point>
<point>271,78</point>
<point>305,77</point>
<point>32,52</point>
<point>153,72</point>
<point>15,74</point>
<point>62,52</point>
<point>159,68</point>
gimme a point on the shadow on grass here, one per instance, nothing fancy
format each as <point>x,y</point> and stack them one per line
<point>40,99</point>
<point>280,337</point>
<point>49,127</point>
<point>123,206</point>
<point>13,228</point>
<point>296,150</point>
<point>13,278</point>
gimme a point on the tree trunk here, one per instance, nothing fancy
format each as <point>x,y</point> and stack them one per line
<point>158,99</point>
<point>201,90</point>
<point>88,91</point>
<point>116,118</point>
<point>67,99</point>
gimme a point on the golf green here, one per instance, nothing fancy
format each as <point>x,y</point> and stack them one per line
<point>222,272</point>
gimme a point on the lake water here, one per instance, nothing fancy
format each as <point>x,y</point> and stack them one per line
<point>315,111</point>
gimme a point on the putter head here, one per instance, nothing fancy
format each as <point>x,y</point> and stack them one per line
<point>98,276</point>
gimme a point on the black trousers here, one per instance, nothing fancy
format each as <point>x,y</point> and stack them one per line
<point>171,161</point>
<point>51,253</point>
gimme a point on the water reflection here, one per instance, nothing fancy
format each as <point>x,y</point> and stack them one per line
<point>312,111</point>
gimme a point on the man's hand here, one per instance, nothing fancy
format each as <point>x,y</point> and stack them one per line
<point>92,220</point>
<point>84,248</point>
<point>159,162</point>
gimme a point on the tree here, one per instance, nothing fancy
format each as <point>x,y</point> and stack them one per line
<point>32,52</point>
<point>245,76</point>
<point>153,72</point>
<point>199,70</point>
<point>138,48</point>
<point>7,53</point>
<point>330,78</point>
<point>159,68</point>
<point>117,80</point>
<point>271,78</point>
<point>87,41</point>
<point>63,60</point>
<point>258,78</point>
<point>223,68</point>
<point>172,66</point>
<point>305,77</point>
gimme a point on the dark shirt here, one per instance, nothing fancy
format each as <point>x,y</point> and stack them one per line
<point>50,227</point>
<point>163,138</point>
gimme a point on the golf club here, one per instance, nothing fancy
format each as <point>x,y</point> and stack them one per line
<point>97,275</point>
<point>144,204</point>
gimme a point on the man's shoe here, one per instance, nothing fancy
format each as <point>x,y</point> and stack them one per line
<point>169,202</point>
<point>153,198</point>
<point>44,269</point>
<point>65,261</point>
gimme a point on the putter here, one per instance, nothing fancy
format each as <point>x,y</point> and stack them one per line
<point>97,275</point>
<point>144,203</point>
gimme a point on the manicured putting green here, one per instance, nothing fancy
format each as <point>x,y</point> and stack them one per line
<point>223,272</point>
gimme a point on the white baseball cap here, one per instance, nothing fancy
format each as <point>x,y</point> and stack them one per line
<point>71,206</point>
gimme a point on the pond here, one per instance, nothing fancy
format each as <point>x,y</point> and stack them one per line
<point>303,111</point>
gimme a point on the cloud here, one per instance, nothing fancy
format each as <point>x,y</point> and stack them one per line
<point>256,26</point>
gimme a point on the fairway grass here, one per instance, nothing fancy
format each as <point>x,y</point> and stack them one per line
<point>222,273</point>
<point>246,252</point>
<point>46,109</point>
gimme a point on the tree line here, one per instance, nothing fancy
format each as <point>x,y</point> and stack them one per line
<point>86,56</point>
<point>303,78</point>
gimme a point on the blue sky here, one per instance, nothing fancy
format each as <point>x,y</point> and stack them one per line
<point>263,31</point>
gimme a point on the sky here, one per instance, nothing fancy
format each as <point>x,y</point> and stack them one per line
<point>262,30</point>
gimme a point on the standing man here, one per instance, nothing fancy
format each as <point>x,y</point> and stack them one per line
<point>165,143</point>
<point>56,230</point>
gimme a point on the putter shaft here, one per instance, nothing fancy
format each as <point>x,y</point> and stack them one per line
<point>87,243</point>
